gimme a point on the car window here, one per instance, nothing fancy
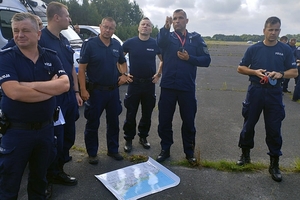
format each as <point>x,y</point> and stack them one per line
<point>5,26</point>
<point>86,33</point>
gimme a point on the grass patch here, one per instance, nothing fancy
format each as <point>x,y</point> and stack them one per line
<point>81,149</point>
<point>230,166</point>
<point>137,158</point>
<point>222,165</point>
<point>297,165</point>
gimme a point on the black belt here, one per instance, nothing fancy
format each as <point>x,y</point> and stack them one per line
<point>267,85</point>
<point>30,125</point>
<point>142,80</point>
<point>104,88</point>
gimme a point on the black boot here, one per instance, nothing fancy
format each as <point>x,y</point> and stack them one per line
<point>274,168</point>
<point>245,157</point>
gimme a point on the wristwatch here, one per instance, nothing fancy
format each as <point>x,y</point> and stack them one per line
<point>282,72</point>
<point>125,73</point>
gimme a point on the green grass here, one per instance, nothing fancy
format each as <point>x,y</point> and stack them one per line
<point>230,166</point>
<point>221,165</point>
<point>297,165</point>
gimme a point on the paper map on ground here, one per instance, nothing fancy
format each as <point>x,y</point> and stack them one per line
<point>139,180</point>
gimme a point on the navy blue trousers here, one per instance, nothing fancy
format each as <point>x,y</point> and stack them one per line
<point>144,94</point>
<point>268,101</point>
<point>187,107</point>
<point>66,133</point>
<point>97,103</point>
<point>19,147</point>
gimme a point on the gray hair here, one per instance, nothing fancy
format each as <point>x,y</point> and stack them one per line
<point>18,17</point>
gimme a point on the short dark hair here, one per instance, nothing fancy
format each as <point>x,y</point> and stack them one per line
<point>146,18</point>
<point>272,21</point>
<point>54,8</point>
<point>180,10</point>
<point>283,38</point>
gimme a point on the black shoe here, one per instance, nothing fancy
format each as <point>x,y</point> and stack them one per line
<point>64,179</point>
<point>164,154</point>
<point>274,169</point>
<point>48,191</point>
<point>128,146</point>
<point>93,160</point>
<point>144,143</point>
<point>68,159</point>
<point>245,157</point>
<point>286,91</point>
<point>116,156</point>
<point>191,159</point>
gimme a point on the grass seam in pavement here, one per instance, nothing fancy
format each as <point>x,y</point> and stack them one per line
<point>221,165</point>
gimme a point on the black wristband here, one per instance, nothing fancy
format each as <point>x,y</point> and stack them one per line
<point>76,91</point>
<point>282,72</point>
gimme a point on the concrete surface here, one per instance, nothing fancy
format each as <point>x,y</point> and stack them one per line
<point>220,92</point>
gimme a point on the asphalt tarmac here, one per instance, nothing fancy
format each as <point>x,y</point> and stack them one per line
<point>220,92</point>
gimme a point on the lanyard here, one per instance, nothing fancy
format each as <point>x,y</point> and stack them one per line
<point>182,42</point>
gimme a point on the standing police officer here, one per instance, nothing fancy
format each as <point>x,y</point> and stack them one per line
<point>98,60</point>
<point>30,78</point>
<point>296,94</point>
<point>182,53</point>
<point>266,63</point>
<point>58,19</point>
<point>142,57</point>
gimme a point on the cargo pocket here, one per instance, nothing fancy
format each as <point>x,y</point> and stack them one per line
<point>245,109</point>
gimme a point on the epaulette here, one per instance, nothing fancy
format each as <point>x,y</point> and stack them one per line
<point>6,50</point>
<point>195,34</point>
<point>116,40</point>
<point>50,50</point>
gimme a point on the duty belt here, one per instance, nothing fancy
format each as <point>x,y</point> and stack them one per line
<point>94,86</point>
<point>265,85</point>
<point>104,88</point>
<point>30,125</point>
<point>141,80</point>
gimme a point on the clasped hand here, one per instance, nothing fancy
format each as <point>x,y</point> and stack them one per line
<point>183,55</point>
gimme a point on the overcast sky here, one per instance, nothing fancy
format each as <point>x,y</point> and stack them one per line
<point>229,17</point>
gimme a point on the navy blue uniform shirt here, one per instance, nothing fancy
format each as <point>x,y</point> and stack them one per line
<point>297,53</point>
<point>15,66</point>
<point>142,66</point>
<point>102,61</point>
<point>62,47</point>
<point>281,54</point>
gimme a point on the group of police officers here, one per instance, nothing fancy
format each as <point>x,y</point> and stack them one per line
<point>39,83</point>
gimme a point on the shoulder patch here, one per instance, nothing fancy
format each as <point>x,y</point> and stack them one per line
<point>205,49</point>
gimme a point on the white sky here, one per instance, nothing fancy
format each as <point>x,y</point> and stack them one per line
<point>229,17</point>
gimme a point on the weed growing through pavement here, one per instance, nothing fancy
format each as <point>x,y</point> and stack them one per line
<point>297,165</point>
<point>137,158</point>
<point>224,87</point>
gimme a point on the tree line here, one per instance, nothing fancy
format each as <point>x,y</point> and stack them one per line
<point>126,14</point>
<point>244,37</point>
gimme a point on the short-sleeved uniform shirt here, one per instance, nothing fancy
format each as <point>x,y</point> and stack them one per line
<point>297,53</point>
<point>102,61</point>
<point>15,66</point>
<point>272,58</point>
<point>142,56</point>
<point>63,48</point>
